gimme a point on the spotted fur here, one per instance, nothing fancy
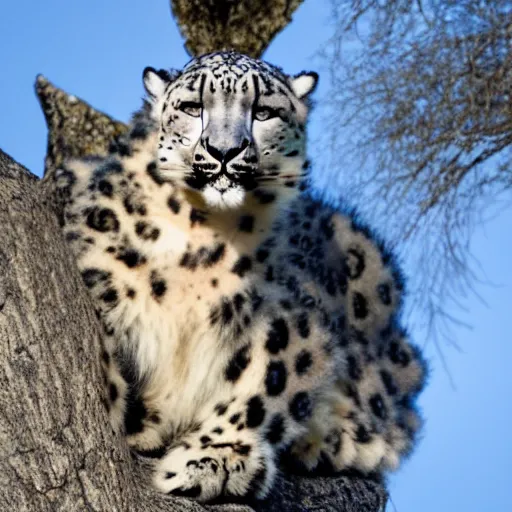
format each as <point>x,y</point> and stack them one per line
<point>242,318</point>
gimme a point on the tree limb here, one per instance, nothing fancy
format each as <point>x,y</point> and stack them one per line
<point>246,26</point>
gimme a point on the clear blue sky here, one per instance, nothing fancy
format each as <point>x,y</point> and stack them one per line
<point>97,50</point>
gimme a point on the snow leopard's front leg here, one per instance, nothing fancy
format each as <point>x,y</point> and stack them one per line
<point>227,455</point>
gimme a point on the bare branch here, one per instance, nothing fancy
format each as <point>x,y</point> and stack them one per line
<point>424,99</point>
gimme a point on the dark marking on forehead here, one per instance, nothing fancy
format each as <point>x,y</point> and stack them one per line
<point>228,68</point>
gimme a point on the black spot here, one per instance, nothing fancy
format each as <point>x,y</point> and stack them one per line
<point>121,147</point>
<point>128,205</point>
<point>220,409</point>
<point>384,292</point>
<point>311,210</point>
<point>389,382</point>
<point>174,205</point>
<point>197,217</point>
<point>269,274</point>
<point>358,336</point>
<point>112,392</point>
<point>278,336</point>
<point>398,355</point>
<point>93,276</point>
<point>286,304</point>
<point>275,429</point>
<point>246,223</point>
<point>102,219</point>
<point>355,263</point>
<point>242,266</point>
<point>214,282</point>
<point>135,413</point>
<point>155,453</point>
<point>109,296</point>
<point>130,293</point>
<point>275,381</point>
<point>354,370</point>
<point>378,406</point>
<point>362,435</point>
<point>215,255</point>
<point>300,406</point>
<point>188,261</point>
<point>238,302</point>
<point>191,492</point>
<point>227,312</point>
<point>158,285</point>
<point>146,231</point>
<point>106,188</point>
<point>170,474</point>
<point>255,412</point>
<point>205,439</point>
<point>360,305</point>
<point>217,430</point>
<point>297,260</point>
<point>303,362</point>
<point>155,418</point>
<point>262,255</point>
<point>153,171</point>
<point>71,236</point>
<point>303,325</point>
<point>238,364</point>
<point>294,239</point>
<point>308,301</point>
<point>256,299</point>
<point>327,227</point>
<point>131,258</point>
<point>295,152</point>
<point>242,449</point>
<point>234,419</point>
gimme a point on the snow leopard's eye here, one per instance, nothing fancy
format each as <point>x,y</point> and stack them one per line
<point>264,113</point>
<point>191,108</point>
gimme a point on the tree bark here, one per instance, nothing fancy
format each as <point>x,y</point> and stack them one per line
<point>247,26</point>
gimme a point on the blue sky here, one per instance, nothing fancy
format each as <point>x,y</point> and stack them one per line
<point>97,50</point>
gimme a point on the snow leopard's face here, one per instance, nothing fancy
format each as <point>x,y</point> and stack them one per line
<point>230,125</point>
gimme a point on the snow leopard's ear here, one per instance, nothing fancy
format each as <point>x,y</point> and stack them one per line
<point>155,82</point>
<point>304,84</point>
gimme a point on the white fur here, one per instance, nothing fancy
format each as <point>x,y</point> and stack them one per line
<point>231,198</point>
<point>304,84</point>
<point>155,85</point>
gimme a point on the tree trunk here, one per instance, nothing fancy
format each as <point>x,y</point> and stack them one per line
<point>246,26</point>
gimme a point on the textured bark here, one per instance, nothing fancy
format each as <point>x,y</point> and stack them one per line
<point>75,129</point>
<point>247,26</point>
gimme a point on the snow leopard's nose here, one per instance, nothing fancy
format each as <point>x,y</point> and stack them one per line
<point>225,153</point>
